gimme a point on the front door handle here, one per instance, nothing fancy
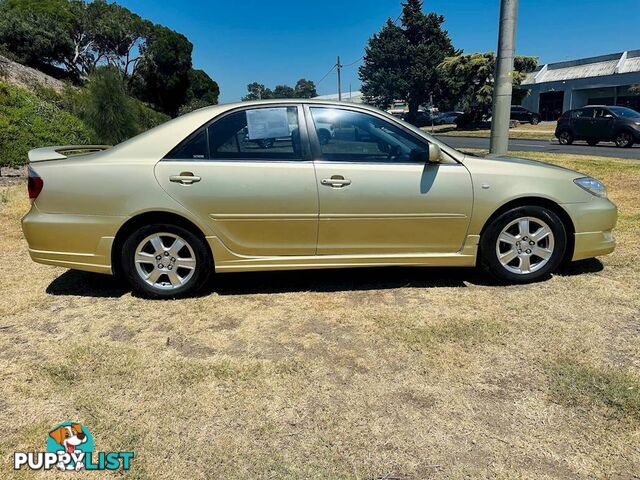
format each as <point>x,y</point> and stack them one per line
<point>336,181</point>
<point>185,178</point>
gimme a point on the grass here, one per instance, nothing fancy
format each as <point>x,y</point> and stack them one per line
<point>615,391</point>
<point>542,131</point>
<point>346,374</point>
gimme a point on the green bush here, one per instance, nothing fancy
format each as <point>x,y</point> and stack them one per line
<point>27,121</point>
<point>147,118</point>
<point>106,108</point>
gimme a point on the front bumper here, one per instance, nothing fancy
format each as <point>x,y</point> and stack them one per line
<point>80,242</point>
<point>593,222</point>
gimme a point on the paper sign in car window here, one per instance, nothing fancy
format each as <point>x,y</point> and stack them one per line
<point>267,123</point>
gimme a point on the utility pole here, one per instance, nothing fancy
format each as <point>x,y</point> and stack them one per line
<point>503,83</point>
<point>338,66</point>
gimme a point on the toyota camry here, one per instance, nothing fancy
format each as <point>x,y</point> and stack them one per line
<point>303,184</point>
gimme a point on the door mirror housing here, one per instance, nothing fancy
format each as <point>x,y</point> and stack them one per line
<point>426,156</point>
<point>435,154</point>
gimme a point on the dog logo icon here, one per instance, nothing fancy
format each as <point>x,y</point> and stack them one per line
<point>75,440</point>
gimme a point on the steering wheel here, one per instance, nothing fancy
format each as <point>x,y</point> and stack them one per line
<point>393,152</point>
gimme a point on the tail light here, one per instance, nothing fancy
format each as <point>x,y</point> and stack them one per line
<point>34,184</point>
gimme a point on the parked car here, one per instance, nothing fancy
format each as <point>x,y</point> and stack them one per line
<point>326,132</point>
<point>167,208</point>
<point>599,123</point>
<point>522,115</point>
<point>446,118</point>
<point>422,119</point>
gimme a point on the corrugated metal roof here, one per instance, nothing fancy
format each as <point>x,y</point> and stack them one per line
<point>631,65</point>
<point>625,62</point>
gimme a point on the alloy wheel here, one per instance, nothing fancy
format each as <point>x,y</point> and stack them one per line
<point>525,245</point>
<point>165,261</point>
<point>623,139</point>
<point>565,138</point>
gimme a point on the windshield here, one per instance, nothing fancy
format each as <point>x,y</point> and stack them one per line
<point>625,112</point>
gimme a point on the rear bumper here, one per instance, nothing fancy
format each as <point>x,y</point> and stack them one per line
<point>80,242</point>
<point>593,222</point>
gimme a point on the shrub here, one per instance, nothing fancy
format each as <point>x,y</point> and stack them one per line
<point>27,121</point>
<point>106,108</point>
<point>146,117</point>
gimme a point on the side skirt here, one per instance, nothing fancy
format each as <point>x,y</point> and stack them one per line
<point>227,261</point>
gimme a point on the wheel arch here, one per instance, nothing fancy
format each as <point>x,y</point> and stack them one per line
<point>538,202</point>
<point>149,218</point>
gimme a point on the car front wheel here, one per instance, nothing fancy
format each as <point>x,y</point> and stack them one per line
<point>165,261</point>
<point>523,245</point>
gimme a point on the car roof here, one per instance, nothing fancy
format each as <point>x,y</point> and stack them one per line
<point>292,101</point>
<point>158,141</point>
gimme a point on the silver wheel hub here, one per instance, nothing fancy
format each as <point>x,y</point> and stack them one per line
<point>165,261</point>
<point>525,245</point>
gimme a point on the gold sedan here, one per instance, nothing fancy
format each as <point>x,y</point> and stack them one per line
<point>301,184</point>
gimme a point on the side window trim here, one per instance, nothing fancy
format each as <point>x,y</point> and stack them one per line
<point>302,126</point>
<point>315,143</point>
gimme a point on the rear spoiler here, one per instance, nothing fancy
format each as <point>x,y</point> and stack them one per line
<point>62,152</point>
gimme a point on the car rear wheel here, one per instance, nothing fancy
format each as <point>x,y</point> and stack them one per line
<point>165,261</point>
<point>624,140</point>
<point>565,137</point>
<point>523,245</point>
<point>535,120</point>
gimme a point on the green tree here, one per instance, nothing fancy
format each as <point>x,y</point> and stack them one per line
<point>115,34</point>
<point>202,88</point>
<point>106,107</point>
<point>257,91</point>
<point>35,33</point>
<point>283,91</point>
<point>162,77</point>
<point>305,89</point>
<point>469,79</point>
<point>401,62</point>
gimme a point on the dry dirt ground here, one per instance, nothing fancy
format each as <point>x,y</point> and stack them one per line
<point>367,374</point>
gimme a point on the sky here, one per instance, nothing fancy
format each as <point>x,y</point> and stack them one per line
<point>278,42</point>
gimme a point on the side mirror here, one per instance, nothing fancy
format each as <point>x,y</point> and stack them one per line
<point>434,153</point>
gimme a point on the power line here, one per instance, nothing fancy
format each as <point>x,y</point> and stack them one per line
<point>337,64</point>
<point>326,74</point>
<point>352,63</point>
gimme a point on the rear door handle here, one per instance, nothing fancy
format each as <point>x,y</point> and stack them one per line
<point>185,178</point>
<point>336,181</point>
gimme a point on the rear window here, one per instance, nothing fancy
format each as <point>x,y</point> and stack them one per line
<point>583,113</point>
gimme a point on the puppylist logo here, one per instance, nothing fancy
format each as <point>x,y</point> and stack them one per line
<point>70,447</point>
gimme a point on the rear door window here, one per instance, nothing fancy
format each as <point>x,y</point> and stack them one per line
<point>193,148</point>
<point>584,113</point>
<point>270,133</point>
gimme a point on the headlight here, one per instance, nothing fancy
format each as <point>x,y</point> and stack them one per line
<point>593,186</point>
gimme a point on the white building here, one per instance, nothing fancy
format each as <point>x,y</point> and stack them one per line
<point>605,80</point>
<point>353,97</point>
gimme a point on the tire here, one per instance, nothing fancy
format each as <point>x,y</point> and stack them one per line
<point>624,139</point>
<point>177,273</point>
<point>565,137</point>
<point>535,120</point>
<point>505,254</point>
<point>592,143</point>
